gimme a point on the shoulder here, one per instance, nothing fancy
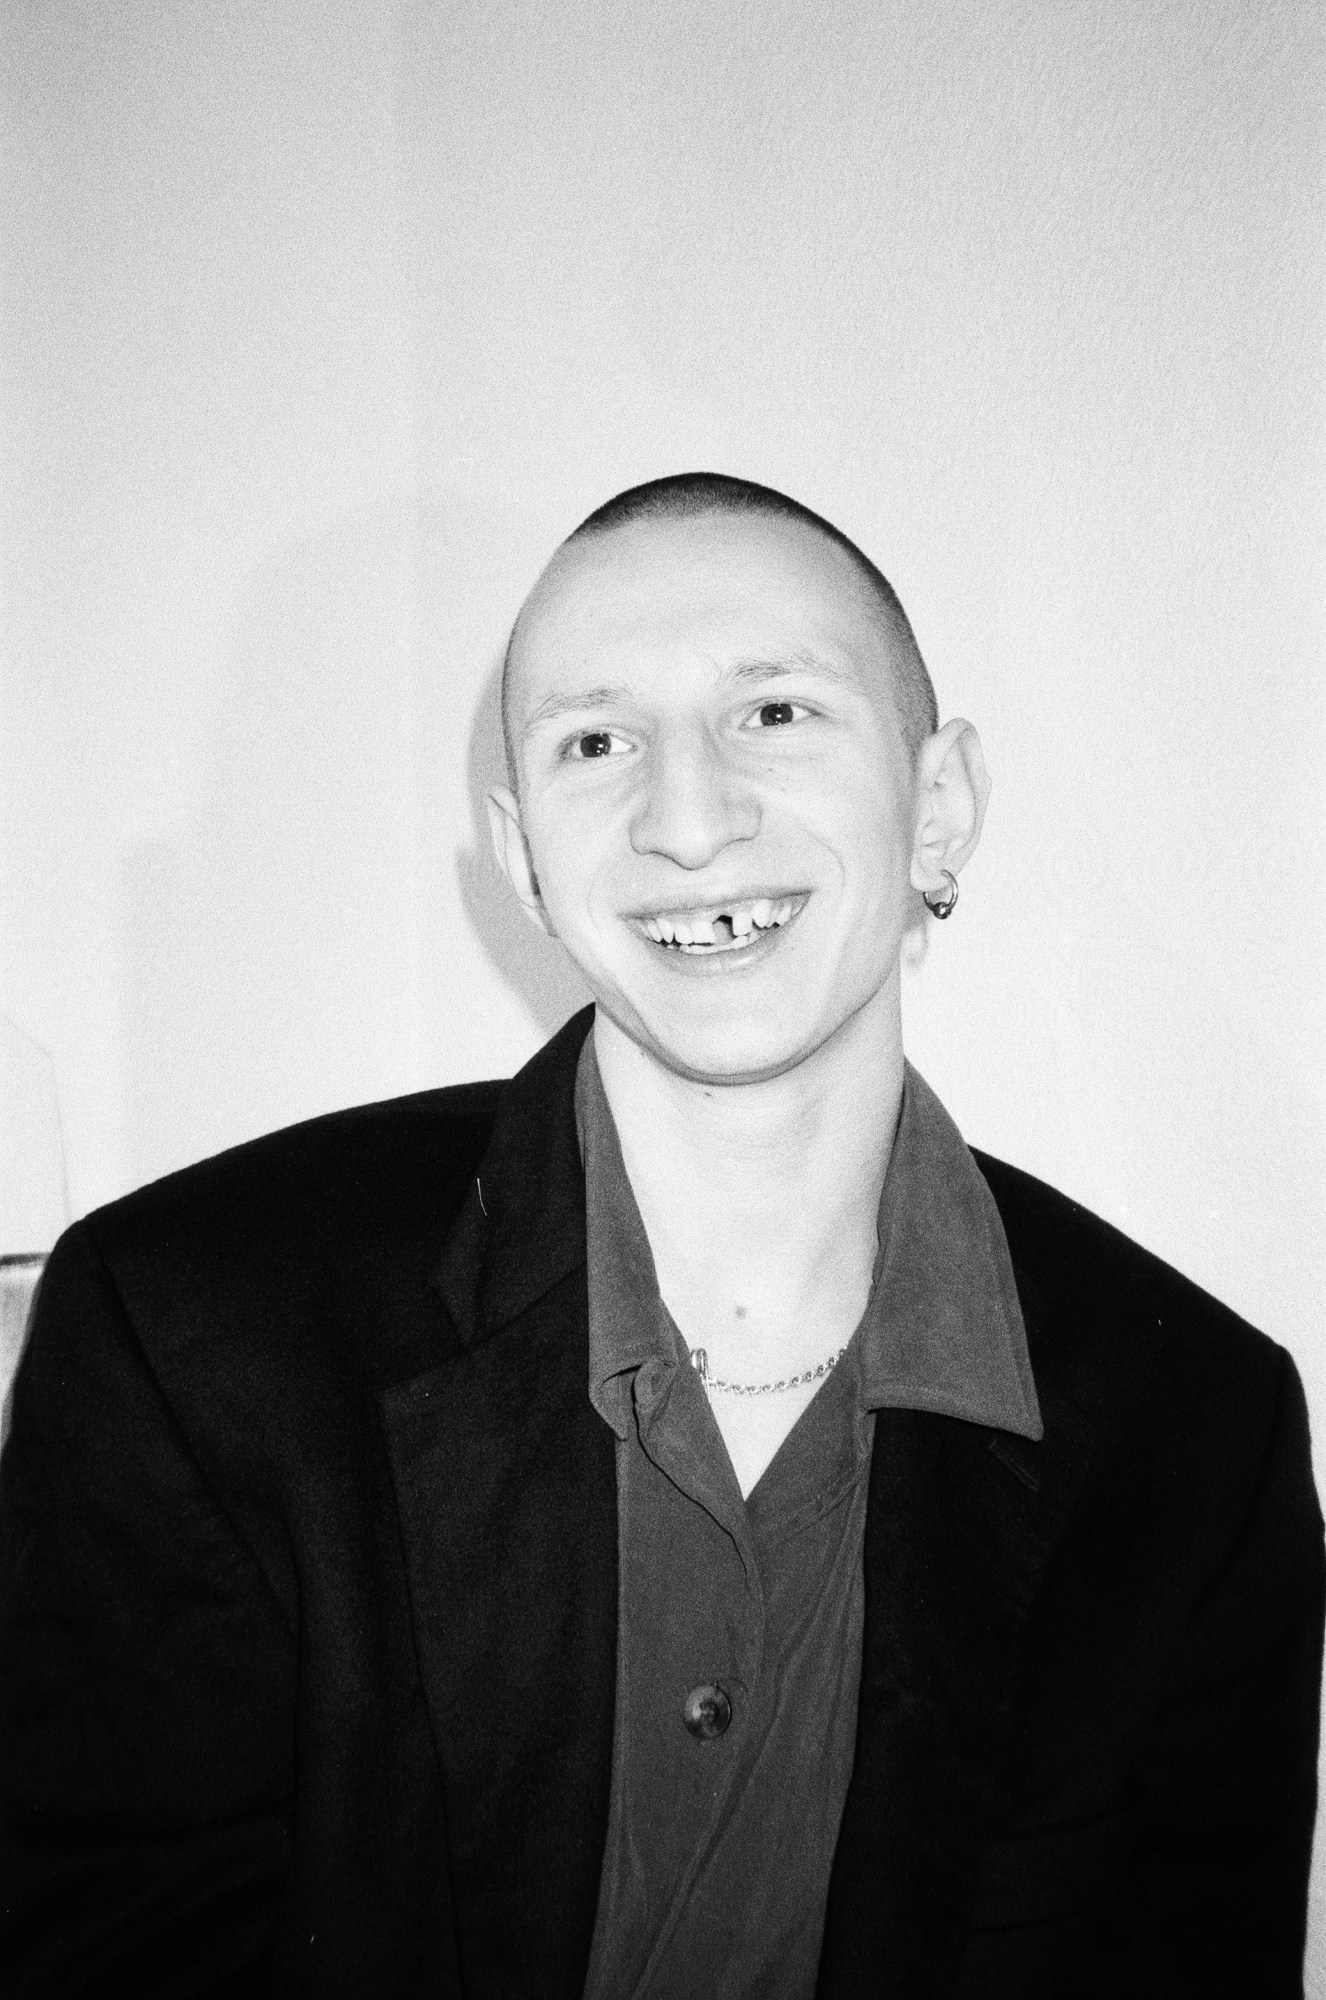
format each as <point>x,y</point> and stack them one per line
<point>263,1290</point>
<point>1154,1362</point>
<point>394,1158</point>
<point>315,1240</point>
<point>1076,1263</point>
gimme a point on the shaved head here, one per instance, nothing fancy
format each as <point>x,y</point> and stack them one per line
<point>691,495</point>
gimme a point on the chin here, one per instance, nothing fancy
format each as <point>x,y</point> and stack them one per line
<point>727,1052</point>
<point>728,1032</point>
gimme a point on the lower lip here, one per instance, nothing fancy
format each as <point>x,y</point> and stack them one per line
<point>720,964</point>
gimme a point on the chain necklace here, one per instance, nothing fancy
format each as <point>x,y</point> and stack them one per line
<point>700,1363</point>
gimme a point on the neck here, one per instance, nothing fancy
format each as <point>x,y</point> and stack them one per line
<point>759,1199</point>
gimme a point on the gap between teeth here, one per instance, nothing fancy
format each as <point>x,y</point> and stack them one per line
<point>728,931</point>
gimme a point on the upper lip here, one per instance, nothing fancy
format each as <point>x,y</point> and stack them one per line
<point>714,906</point>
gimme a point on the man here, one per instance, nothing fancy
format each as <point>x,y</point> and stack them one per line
<point>677,1523</point>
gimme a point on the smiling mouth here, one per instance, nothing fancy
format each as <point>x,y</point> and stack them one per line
<point>725,927</point>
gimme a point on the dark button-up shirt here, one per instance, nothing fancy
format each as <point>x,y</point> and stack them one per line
<point>740,1622</point>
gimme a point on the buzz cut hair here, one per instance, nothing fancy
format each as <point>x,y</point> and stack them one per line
<point>685,496</point>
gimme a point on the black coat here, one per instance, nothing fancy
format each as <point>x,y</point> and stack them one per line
<point>308,1587</point>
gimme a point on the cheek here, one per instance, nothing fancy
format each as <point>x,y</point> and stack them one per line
<point>871,841</point>
<point>570,853</point>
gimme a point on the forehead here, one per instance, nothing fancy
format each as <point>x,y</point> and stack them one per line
<point>713,588</point>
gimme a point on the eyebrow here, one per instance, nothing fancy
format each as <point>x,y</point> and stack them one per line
<point>554,706</point>
<point>795,663</point>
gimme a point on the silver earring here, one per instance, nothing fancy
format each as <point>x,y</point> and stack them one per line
<point>944,906</point>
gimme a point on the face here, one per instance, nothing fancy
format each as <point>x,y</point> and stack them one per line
<point>715,797</point>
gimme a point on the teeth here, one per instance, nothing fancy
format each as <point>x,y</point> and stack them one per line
<point>746,921</point>
<point>736,944</point>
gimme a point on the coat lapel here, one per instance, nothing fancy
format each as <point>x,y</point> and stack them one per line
<point>505,1485</point>
<point>960,1522</point>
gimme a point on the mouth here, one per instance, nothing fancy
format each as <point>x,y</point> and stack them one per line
<point>706,931</point>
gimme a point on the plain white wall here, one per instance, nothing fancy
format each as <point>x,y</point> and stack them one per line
<point>323,323</point>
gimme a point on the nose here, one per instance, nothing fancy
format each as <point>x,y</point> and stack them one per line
<point>692,803</point>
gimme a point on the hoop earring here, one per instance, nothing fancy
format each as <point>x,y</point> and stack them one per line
<point>944,906</point>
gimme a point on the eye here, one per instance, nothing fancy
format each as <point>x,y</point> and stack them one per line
<point>776,714</point>
<point>596,743</point>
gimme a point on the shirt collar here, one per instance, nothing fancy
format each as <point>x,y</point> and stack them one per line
<point>942,1331</point>
<point>630,1330</point>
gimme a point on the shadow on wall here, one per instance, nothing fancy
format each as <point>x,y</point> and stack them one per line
<point>296,946</point>
<point>268,950</point>
<point>535,966</point>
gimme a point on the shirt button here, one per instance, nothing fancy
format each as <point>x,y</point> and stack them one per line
<point>706,1711</point>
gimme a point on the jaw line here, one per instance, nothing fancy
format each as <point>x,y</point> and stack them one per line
<point>738,1081</point>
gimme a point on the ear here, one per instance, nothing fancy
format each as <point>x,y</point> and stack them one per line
<point>513,855</point>
<point>952,787</point>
